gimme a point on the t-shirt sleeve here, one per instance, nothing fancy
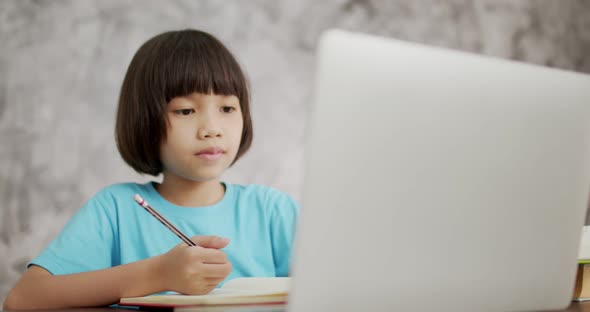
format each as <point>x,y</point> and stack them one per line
<point>86,243</point>
<point>283,223</point>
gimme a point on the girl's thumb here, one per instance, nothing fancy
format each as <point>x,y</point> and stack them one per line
<point>216,242</point>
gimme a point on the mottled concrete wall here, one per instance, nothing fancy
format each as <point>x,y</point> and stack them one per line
<point>62,62</point>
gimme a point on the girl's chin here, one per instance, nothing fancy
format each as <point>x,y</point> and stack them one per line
<point>196,176</point>
<point>205,176</point>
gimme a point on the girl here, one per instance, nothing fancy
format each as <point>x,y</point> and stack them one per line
<point>183,112</point>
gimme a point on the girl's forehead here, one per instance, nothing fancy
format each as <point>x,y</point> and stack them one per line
<point>204,97</point>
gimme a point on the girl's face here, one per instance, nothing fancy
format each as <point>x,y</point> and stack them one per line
<point>203,135</point>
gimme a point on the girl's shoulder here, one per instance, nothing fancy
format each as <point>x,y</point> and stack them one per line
<point>109,200</point>
<point>257,190</point>
<point>118,189</point>
<point>121,192</point>
<point>263,195</point>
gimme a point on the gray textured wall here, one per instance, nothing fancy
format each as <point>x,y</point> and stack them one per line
<point>62,62</point>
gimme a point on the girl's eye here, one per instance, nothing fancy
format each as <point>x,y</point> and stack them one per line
<point>184,111</point>
<point>227,109</point>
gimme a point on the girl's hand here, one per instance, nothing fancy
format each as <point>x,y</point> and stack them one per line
<point>194,270</point>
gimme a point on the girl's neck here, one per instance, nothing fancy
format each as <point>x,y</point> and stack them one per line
<point>183,192</point>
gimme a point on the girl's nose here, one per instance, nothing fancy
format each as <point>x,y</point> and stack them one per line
<point>208,133</point>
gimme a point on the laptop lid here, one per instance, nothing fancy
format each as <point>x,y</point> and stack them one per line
<point>440,180</point>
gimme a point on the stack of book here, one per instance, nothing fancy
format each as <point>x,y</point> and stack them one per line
<point>582,288</point>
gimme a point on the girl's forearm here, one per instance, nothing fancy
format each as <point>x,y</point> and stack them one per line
<point>88,289</point>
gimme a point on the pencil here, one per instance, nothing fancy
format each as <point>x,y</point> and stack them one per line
<point>138,199</point>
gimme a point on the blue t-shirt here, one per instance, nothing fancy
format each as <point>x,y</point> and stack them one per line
<point>112,229</point>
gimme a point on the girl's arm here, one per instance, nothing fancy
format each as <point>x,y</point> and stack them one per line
<point>39,289</point>
<point>189,270</point>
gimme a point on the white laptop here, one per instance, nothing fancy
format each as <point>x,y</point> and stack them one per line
<point>437,180</point>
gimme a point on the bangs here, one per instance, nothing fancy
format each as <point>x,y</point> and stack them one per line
<point>200,64</point>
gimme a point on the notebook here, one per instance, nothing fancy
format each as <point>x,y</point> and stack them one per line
<point>245,290</point>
